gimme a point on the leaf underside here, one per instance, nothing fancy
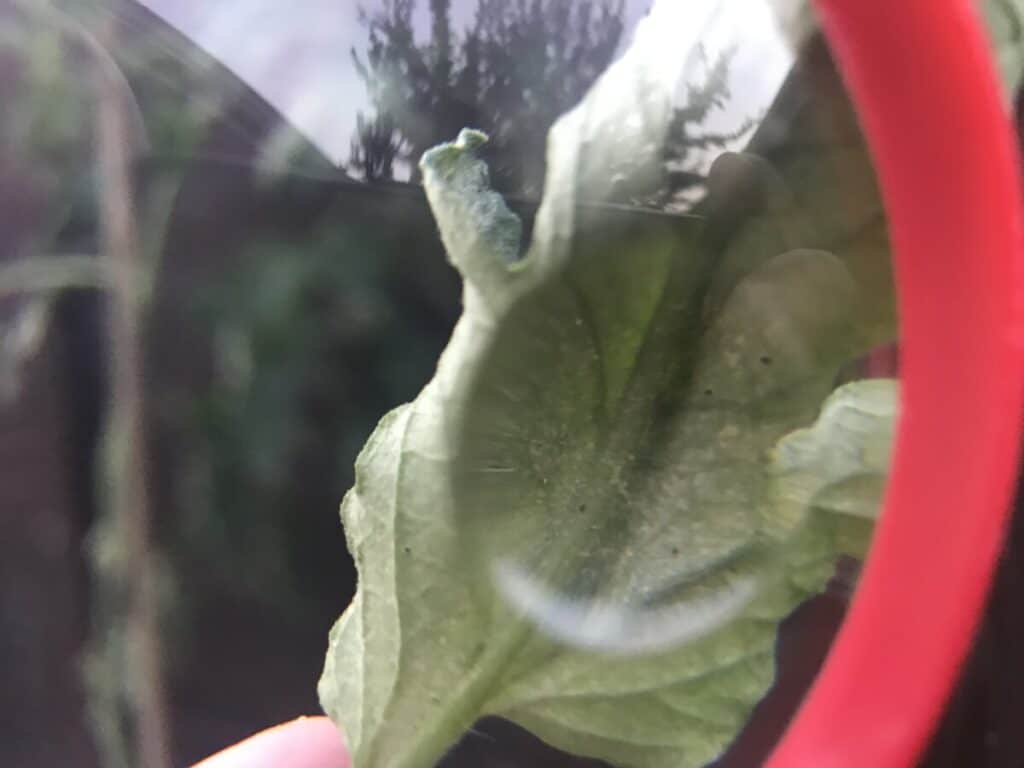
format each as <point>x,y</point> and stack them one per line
<point>633,460</point>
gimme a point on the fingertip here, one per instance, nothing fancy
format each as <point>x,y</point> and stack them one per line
<point>307,742</point>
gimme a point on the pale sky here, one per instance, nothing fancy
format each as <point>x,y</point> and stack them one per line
<point>296,54</point>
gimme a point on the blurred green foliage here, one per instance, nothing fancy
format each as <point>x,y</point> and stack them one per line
<point>312,341</point>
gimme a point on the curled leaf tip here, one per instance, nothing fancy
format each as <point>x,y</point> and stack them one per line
<point>470,139</point>
<point>477,227</point>
<point>444,157</point>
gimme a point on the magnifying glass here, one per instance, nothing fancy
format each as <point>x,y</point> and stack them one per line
<point>670,453</point>
<point>647,425</point>
<point>923,83</point>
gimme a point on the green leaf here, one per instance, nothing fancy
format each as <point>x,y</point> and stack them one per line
<point>835,471</point>
<point>417,658</point>
<point>1005,22</point>
<point>593,518</point>
<point>629,466</point>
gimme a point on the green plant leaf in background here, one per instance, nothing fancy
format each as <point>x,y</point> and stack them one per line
<point>1005,22</point>
<point>632,462</point>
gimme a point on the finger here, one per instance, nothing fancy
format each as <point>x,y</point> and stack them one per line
<point>309,742</point>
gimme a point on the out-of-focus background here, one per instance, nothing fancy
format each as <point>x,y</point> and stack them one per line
<point>217,271</point>
<point>279,286</point>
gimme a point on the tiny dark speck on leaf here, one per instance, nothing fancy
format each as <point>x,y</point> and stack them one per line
<point>708,393</point>
<point>675,550</point>
<point>407,550</point>
<point>765,360</point>
<point>583,507</point>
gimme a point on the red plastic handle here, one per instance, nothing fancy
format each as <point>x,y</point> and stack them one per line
<point>922,77</point>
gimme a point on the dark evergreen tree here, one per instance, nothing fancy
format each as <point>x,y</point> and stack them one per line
<point>519,66</point>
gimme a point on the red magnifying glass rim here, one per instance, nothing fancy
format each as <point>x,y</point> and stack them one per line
<point>923,81</point>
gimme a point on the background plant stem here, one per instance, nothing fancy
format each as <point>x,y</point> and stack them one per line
<point>129,502</point>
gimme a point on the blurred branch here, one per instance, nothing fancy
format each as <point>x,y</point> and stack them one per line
<point>101,57</point>
<point>20,340</point>
<point>129,574</point>
<point>50,273</point>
